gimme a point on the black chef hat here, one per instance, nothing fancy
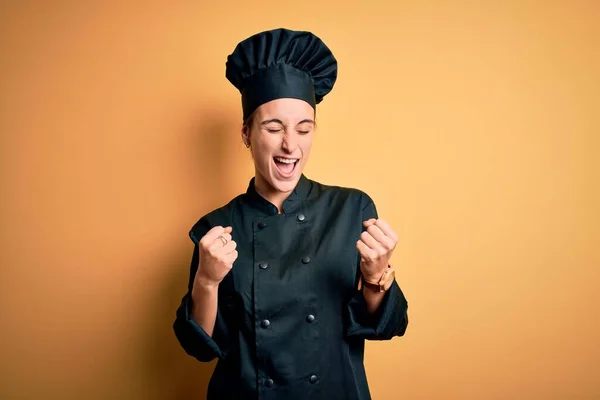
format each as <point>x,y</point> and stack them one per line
<point>281,63</point>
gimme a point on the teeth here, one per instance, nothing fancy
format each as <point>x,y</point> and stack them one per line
<point>286,160</point>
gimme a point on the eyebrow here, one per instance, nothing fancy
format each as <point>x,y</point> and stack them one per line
<point>278,121</point>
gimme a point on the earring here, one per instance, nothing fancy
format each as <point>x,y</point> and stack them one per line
<point>248,145</point>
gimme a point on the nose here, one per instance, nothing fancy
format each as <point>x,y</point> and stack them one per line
<point>290,142</point>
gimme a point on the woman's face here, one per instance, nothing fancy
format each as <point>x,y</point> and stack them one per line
<point>280,137</point>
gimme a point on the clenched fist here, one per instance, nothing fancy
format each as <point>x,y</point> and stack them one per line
<point>376,246</point>
<point>217,254</point>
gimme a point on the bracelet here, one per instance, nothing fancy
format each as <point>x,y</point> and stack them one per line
<point>384,283</point>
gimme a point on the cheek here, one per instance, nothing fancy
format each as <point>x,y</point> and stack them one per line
<point>264,148</point>
<point>306,146</point>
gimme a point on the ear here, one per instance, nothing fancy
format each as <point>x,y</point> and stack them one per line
<point>246,135</point>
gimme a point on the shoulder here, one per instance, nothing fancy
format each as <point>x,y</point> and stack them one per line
<point>220,216</point>
<point>342,194</point>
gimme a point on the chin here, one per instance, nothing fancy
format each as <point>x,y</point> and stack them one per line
<point>284,185</point>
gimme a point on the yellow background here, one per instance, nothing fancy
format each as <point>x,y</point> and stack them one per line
<point>474,125</point>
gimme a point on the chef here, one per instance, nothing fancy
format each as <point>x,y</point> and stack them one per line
<point>290,278</point>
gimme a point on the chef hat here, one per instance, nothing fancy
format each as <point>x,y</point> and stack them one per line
<point>281,63</point>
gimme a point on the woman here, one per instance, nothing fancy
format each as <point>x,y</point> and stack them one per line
<point>289,278</point>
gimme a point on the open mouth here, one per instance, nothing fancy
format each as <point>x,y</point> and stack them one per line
<point>286,166</point>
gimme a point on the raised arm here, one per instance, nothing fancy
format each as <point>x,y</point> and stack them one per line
<point>199,325</point>
<point>372,314</point>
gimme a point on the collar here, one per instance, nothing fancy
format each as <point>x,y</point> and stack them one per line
<point>298,195</point>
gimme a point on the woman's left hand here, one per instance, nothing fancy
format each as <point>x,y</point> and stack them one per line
<point>376,246</point>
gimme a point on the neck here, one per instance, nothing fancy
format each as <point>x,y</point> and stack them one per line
<point>269,193</point>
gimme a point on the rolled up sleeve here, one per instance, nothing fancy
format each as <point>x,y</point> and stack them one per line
<point>390,319</point>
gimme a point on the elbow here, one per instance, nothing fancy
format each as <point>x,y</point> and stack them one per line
<point>396,328</point>
<point>400,314</point>
<point>403,325</point>
<point>202,356</point>
<point>190,343</point>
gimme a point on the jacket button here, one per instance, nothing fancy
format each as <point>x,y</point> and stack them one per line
<point>301,217</point>
<point>261,224</point>
<point>269,383</point>
<point>306,259</point>
<point>263,265</point>
<point>313,379</point>
<point>310,318</point>
<point>265,323</point>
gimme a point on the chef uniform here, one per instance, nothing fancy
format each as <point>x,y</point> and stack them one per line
<point>291,322</point>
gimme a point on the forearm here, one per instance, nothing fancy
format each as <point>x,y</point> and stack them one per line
<point>373,298</point>
<point>205,302</point>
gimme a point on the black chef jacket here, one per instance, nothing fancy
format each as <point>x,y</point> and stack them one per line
<point>291,323</point>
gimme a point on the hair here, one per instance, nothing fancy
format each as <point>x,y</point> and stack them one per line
<point>247,124</point>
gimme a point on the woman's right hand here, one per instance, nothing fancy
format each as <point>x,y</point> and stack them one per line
<point>216,258</point>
